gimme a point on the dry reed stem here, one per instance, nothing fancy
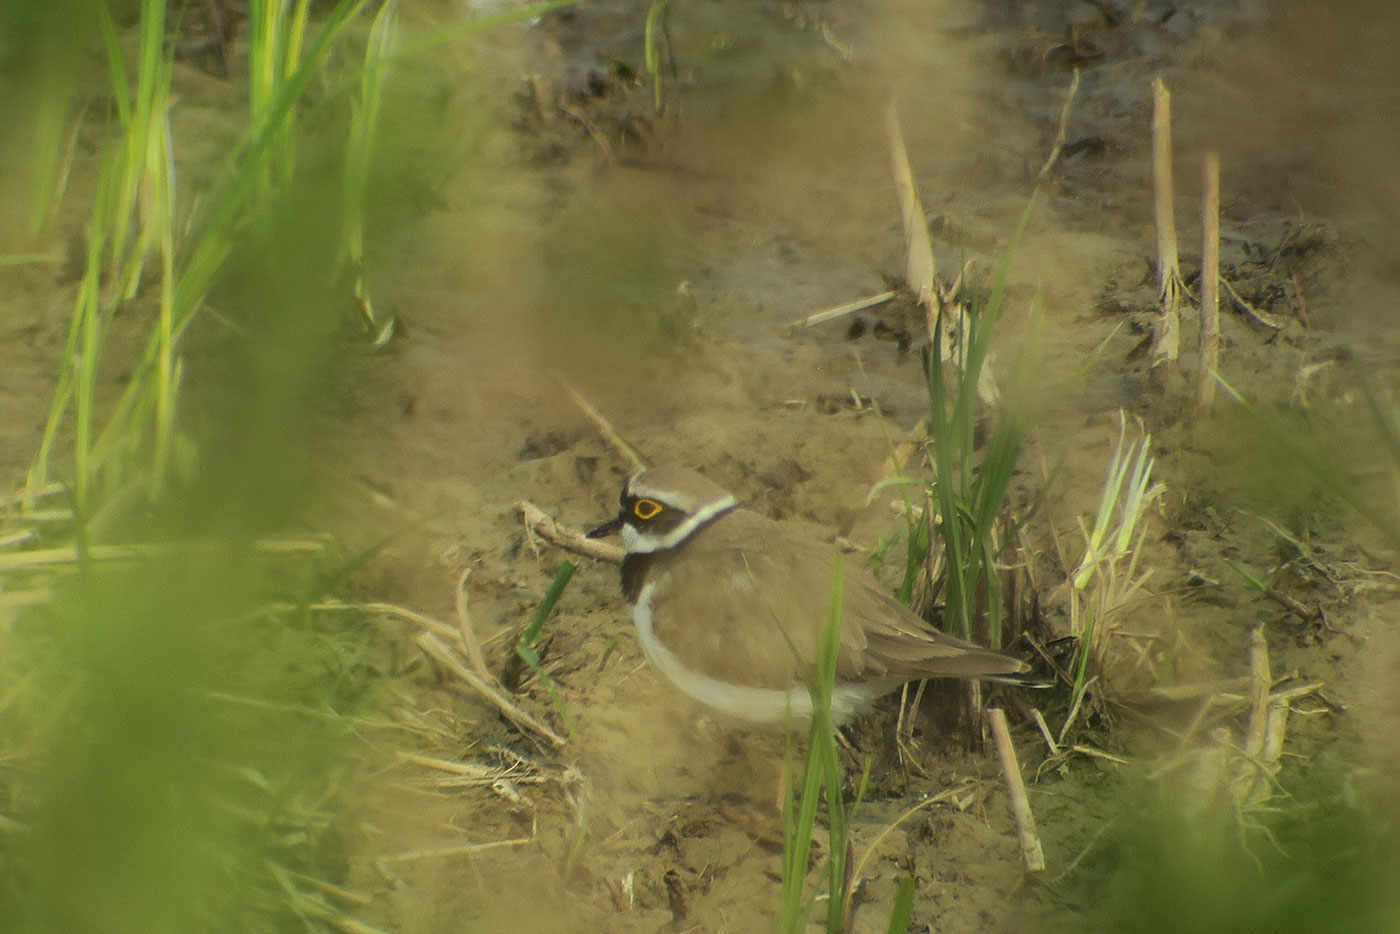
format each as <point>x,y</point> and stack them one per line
<point>1059,144</point>
<point>1031,850</point>
<point>1268,724</point>
<point>919,266</point>
<point>841,311</point>
<point>466,634</point>
<point>463,849</point>
<point>1210,282</point>
<point>468,769</point>
<point>609,433</point>
<point>538,522</point>
<point>436,648</point>
<point>1166,337</point>
<point>1263,317</point>
<point>1261,682</point>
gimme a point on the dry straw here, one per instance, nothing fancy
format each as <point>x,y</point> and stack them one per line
<point>1166,338</point>
<point>1210,282</point>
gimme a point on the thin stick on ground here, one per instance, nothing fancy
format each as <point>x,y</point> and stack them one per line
<point>540,523</point>
<point>1166,337</point>
<point>439,651</point>
<point>1273,322</point>
<point>1059,144</point>
<point>841,311</point>
<point>1031,850</point>
<point>609,433</point>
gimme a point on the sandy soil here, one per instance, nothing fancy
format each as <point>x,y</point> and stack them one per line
<point>652,262</point>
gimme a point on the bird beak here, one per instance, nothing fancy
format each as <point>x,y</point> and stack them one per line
<point>607,528</point>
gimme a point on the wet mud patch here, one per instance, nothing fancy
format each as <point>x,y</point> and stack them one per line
<point>654,261</point>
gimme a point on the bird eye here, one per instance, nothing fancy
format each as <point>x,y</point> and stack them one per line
<point>646,509</point>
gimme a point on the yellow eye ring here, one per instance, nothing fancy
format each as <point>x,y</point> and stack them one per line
<point>646,509</point>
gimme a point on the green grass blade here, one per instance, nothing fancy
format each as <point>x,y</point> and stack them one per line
<point>531,633</point>
<point>903,911</point>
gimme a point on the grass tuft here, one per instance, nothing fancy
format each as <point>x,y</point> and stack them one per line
<point>970,482</point>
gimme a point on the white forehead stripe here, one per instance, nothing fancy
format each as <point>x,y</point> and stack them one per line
<point>679,499</point>
<point>638,541</point>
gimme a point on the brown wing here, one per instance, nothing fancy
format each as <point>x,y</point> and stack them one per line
<point>756,597</point>
<point>900,642</point>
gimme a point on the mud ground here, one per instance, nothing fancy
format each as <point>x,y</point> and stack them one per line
<point>652,262</point>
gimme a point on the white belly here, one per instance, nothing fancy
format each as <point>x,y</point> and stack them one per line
<point>763,705</point>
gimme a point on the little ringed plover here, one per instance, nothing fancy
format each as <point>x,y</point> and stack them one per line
<point>731,605</point>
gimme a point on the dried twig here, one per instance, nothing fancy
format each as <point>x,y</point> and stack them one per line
<point>547,527</point>
<point>1210,282</point>
<point>1031,850</point>
<point>1263,317</point>
<point>610,434</point>
<point>840,311</point>
<point>1059,145</point>
<point>439,650</point>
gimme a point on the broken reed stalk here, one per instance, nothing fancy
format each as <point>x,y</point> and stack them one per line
<point>1166,337</point>
<point>1268,725</point>
<point>538,522</point>
<point>1210,283</point>
<point>1031,850</point>
<point>919,266</point>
